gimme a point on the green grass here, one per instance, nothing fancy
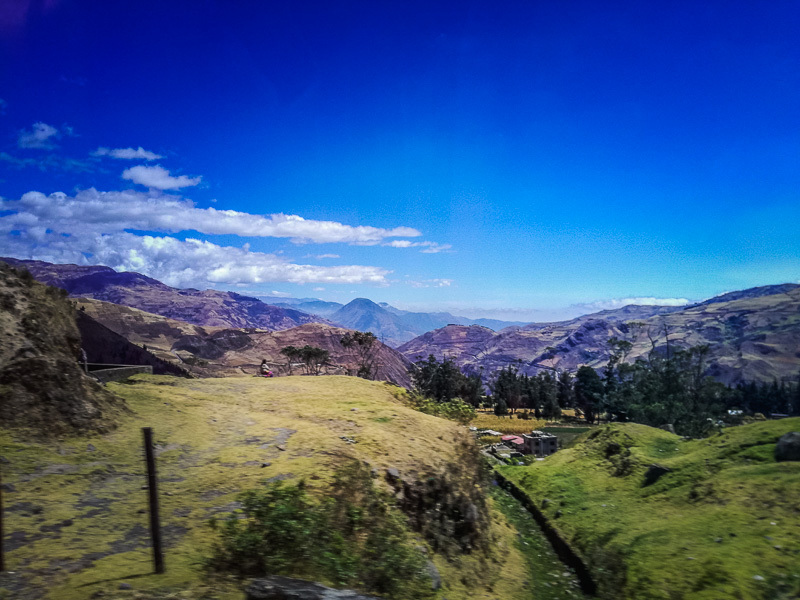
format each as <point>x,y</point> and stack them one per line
<point>216,438</point>
<point>724,523</point>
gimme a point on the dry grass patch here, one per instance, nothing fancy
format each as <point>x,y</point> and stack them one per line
<point>506,425</point>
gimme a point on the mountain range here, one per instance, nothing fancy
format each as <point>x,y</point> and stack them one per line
<point>753,335</point>
<point>392,325</point>
<point>218,351</point>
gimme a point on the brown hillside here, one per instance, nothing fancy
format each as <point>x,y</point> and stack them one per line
<point>214,351</point>
<point>750,338</point>
<point>209,308</point>
<point>41,384</point>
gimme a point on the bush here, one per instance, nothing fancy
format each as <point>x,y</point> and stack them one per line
<point>455,409</point>
<point>356,537</point>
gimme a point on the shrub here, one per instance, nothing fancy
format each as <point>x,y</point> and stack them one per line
<point>455,409</point>
<point>356,537</point>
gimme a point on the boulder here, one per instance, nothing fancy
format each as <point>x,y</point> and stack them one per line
<point>654,473</point>
<point>788,447</point>
<point>436,578</point>
<point>668,427</point>
<point>286,588</point>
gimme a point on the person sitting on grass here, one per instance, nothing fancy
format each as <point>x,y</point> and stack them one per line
<point>264,370</point>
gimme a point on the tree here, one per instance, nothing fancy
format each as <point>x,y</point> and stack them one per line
<point>507,390</point>
<point>366,347</point>
<point>314,358</point>
<point>566,395</point>
<point>292,354</point>
<point>588,392</point>
<point>548,396</point>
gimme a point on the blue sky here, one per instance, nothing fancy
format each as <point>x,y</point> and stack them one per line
<point>528,160</point>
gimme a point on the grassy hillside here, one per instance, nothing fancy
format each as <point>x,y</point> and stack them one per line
<point>75,522</point>
<point>723,523</point>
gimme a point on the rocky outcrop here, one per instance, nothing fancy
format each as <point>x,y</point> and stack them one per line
<point>788,447</point>
<point>41,385</point>
<point>286,588</point>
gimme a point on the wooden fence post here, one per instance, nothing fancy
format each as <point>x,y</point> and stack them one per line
<point>152,489</point>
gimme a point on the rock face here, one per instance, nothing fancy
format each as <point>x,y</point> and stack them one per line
<point>285,588</point>
<point>41,384</point>
<point>753,335</point>
<point>207,308</point>
<point>788,447</point>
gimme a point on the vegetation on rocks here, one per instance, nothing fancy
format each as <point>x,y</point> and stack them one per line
<point>41,385</point>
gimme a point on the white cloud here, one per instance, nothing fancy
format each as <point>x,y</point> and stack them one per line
<point>426,283</point>
<point>158,178</point>
<point>127,153</point>
<point>640,300</point>
<point>427,247</point>
<point>321,256</point>
<point>40,136</point>
<point>319,289</point>
<point>104,212</point>
<point>189,263</point>
<point>91,228</point>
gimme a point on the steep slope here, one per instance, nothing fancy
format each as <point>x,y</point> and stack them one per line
<point>208,308</point>
<point>215,351</point>
<point>718,521</point>
<point>104,346</point>
<point>754,338</point>
<point>41,384</point>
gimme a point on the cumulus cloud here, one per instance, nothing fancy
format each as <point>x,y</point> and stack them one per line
<point>187,263</point>
<point>158,178</point>
<point>427,247</point>
<point>104,212</point>
<point>94,227</point>
<point>127,153</point>
<point>41,136</point>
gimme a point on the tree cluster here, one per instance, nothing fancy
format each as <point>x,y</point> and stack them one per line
<point>545,393</point>
<point>312,357</point>
<point>443,381</point>
<point>665,388</point>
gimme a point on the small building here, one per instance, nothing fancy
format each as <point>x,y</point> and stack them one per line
<point>540,443</point>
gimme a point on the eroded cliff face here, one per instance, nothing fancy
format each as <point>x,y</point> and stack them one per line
<point>41,384</point>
